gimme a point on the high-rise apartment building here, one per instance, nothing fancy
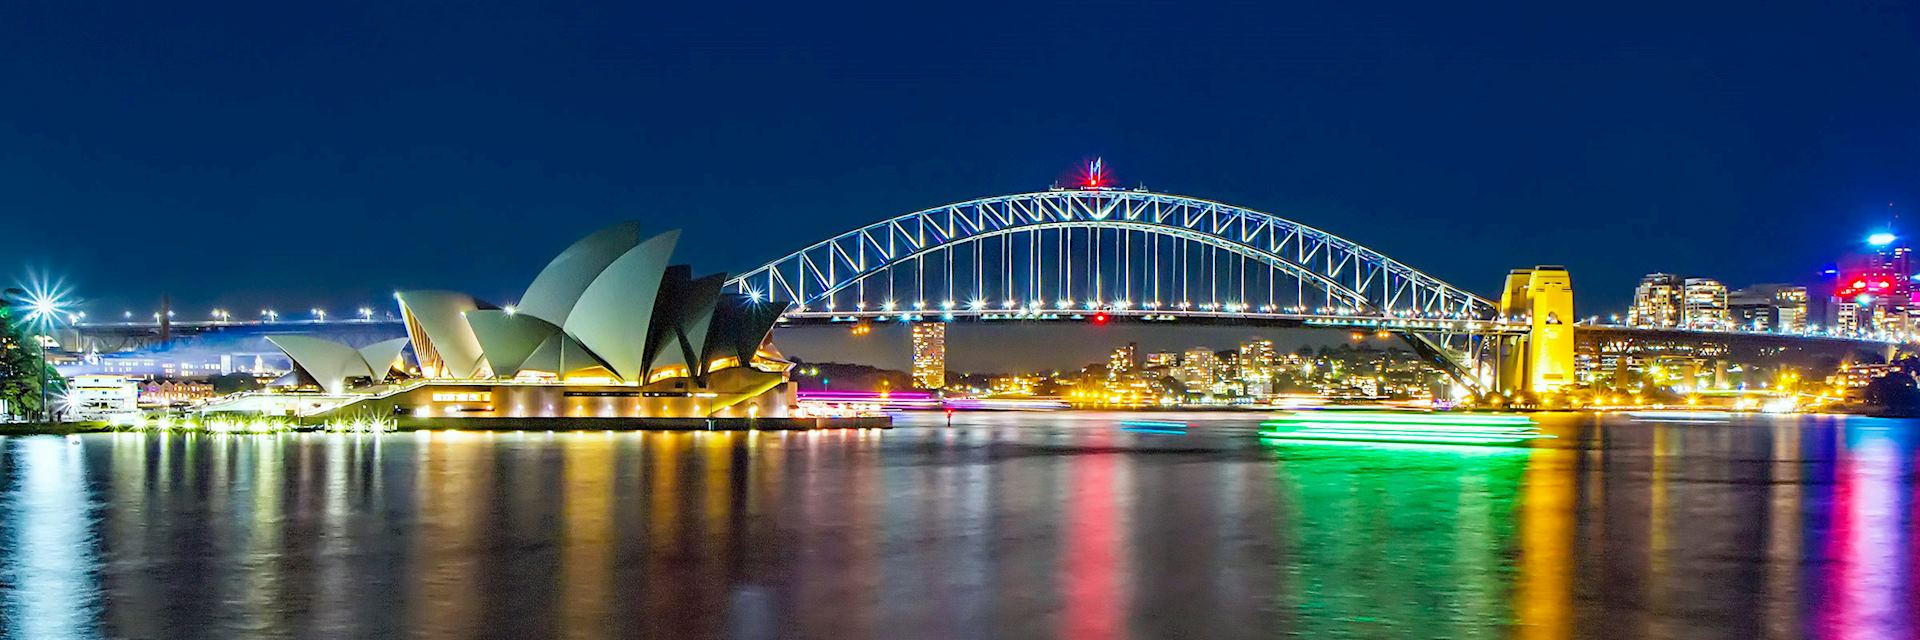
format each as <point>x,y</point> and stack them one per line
<point>1257,362</point>
<point>1704,305</point>
<point>1656,302</point>
<point>1161,363</point>
<point>1257,354</point>
<point>1198,366</point>
<point>1123,361</point>
<point>930,355</point>
<point>1790,309</point>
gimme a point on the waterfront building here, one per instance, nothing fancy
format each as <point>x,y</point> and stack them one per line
<point>609,329</point>
<point>1656,302</point>
<point>1162,361</point>
<point>170,393</point>
<point>98,397</point>
<point>1704,305</point>
<point>1014,385</point>
<point>930,355</point>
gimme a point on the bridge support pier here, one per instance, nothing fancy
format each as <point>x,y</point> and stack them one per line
<point>1542,360</point>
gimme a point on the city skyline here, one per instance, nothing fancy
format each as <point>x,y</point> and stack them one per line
<point>1136,319</point>
<point>1653,150</point>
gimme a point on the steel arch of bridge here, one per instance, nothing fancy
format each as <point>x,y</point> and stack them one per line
<point>1364,281</point>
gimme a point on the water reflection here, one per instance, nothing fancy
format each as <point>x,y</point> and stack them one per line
<point>1398,539</point>
<point>1867,584</point>
<point>48,564</point>
<point>1005,525</point>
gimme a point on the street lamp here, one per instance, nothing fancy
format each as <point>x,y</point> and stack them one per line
<point>270,315</point>
<point>320,314</point>
<point>44,308</point>
<point>366,314</point>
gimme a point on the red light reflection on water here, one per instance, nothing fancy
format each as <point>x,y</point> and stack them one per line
<point>1095,556</point>
<point>1866,580</point>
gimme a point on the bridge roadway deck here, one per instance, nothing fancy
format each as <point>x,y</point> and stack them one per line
<point>1169,318</point>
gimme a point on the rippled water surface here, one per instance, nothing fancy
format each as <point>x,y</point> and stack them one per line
<point>1003,526</point>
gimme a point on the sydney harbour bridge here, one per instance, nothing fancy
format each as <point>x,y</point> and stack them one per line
<point>1099,254</point>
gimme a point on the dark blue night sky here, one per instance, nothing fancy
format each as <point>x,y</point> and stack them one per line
<point>329,153</point>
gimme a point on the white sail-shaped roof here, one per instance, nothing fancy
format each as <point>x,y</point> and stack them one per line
<point>554,292</point>
<point>380,357</point>
<point>329,363</point>
<point>613,314</point>
<point>562,356</point>
<point>507,338</point>
<point>439,318</point>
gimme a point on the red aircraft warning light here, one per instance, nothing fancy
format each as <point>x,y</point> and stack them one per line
<point>1100,318</point>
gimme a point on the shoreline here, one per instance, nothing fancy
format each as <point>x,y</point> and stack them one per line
<point>53,428</point>
<point>670,425</point>
<point>497,425</point>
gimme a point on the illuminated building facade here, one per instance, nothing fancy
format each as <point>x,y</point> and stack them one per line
<point>1248,375</point>
<point>1257,354</point>
<point>1656,302</point>
<point>608,329</point>
<point>1873,291</point>
<point>1777,308</point>
<point>930,355</point>
<point>170,393</point>
<point>1198,367</point>
<point>1704,305</point>
<point>98,397</point>
<point>1790,309</point>
<point>1846,317</point>
<point>1123,361</point>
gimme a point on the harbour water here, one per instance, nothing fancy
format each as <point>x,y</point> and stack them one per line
<point>1004,525</point>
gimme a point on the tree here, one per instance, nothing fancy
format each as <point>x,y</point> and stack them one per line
<point>1894,395</point>
<point>23,366</point>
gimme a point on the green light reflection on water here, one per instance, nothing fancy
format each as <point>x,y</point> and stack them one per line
<point>1398,540</point>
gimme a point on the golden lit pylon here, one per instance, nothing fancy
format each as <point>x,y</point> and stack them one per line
<point>1542,360</point>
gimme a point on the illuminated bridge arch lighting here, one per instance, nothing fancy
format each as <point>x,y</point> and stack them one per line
<point>1069,245</point>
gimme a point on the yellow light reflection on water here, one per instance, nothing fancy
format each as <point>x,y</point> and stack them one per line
<point>455,484</point>
<point>1543,596</point>
<point>587,546</point>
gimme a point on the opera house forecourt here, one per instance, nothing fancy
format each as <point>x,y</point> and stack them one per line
<point>608,335</point>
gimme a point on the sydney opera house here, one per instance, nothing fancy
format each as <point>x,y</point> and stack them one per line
<point>609,329</point>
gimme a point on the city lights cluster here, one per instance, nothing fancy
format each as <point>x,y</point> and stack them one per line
<point>214,424</point>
